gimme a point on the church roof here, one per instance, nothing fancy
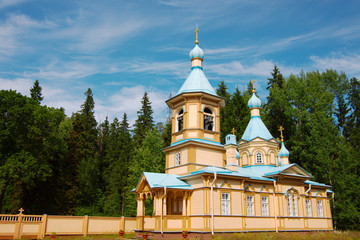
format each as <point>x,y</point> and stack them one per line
<point>197,82</point>
<point>200,140</point>
<point>256,172</point>
<point>161,180</point>
<point>256,128</point>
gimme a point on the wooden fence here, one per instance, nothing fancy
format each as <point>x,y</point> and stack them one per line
<point>38,226</point>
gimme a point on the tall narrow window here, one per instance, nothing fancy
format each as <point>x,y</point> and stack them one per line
<point>259,157</point>
<point>208,119</point>
<point>308,207</point>
<point>250,205</point>
<point>180,119</point>
<point>295,205</point>
<point>292,202</point>
<point>320,208</point>
<point>225,203</point>
<point>265,206</point>
<point>290,205</point>
<point>178,158</point>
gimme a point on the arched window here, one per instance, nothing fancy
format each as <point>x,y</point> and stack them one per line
<point>178,158</point>
<point>259,157</point>
<point>208,119</point>
<point>180,120</point>
<point>292,197</point>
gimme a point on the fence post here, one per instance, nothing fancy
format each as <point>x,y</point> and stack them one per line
<point>42,229</point>
<point>85,225</point>
<point>122,223</point>
<point>17,233</point>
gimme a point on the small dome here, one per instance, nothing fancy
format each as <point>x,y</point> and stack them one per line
<point>283,151</point>
<point>254,101</point>
<point>196,52</point>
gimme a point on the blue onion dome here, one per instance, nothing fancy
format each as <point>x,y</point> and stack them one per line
<point>283,151</point>
<point>196,52</point>
<point>254,101</point>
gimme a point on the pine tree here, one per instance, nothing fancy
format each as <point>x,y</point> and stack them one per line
<point>147,158</point>
<point>88,193</point>
<point>238,114</point>
<point>222,92</point>
<point>274,109</point>
<point>144,122</point>
<point>35,92</point>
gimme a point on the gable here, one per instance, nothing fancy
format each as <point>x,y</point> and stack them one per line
<point>292,170</point>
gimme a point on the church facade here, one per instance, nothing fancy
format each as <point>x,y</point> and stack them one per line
<point>245,185</point>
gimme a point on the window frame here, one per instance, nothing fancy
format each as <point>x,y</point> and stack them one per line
<point>250,205</point>
<point>178,158</point>
<point>320,208</point>
<point>179,115</point>
<point>265,206</point>
<point>308,207</point>
<point>257,155</point>
<point>210,117</point>
<point>225,204</point>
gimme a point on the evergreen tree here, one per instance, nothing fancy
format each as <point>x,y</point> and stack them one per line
<point>274,109</point>
<point>144,122</point>
<point>224,111</point>
<point>35,92</point>
<point>147,158</point>
<point>89,188</point>
<point>238,115</point>
<point>118,156</point>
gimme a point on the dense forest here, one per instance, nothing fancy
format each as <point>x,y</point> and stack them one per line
<point>51,163</point>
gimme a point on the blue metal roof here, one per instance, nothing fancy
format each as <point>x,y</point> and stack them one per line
<point>196,52</point>
<point>316,183</point>
<point>197,82</point>
<point>200,140</point>
<point>256,128</point>
<point>254,101</point>
<point>160,180</point>
<point>257,172</point>
<point>283,151</point>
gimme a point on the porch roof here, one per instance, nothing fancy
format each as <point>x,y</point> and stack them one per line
<point>161,180</point>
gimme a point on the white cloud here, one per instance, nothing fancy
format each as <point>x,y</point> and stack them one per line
<point>128,100</point>
<point>21,85</point>
<point>350,64</point>
<point>260,68</point>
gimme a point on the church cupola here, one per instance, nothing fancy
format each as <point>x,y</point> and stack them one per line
<point>283,152</point>
<point>254,103</point>
<point>196,106</point>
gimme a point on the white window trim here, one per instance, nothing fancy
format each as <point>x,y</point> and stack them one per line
<point>259,157</point>
<point>320,208</point>
<point>177,158</point>
<point>250,205</point>
<point>265,206</point>
<point>225,203</point>
<point>211,116</point>
<point>308,207</point>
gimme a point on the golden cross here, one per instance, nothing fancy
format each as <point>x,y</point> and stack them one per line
<point>233,131</point>
<point>253,85</point>
<point>281,133</point>
<point>196,31</point>
<point>21,210</point>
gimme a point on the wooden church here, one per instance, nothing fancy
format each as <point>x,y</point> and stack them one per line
<point>246,185</point>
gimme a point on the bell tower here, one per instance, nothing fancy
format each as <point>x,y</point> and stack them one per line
<point>195,118</point>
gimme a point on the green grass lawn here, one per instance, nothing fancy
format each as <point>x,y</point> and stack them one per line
<point>348,235</point>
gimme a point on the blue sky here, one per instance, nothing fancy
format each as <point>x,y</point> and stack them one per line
<point>122,48</point>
